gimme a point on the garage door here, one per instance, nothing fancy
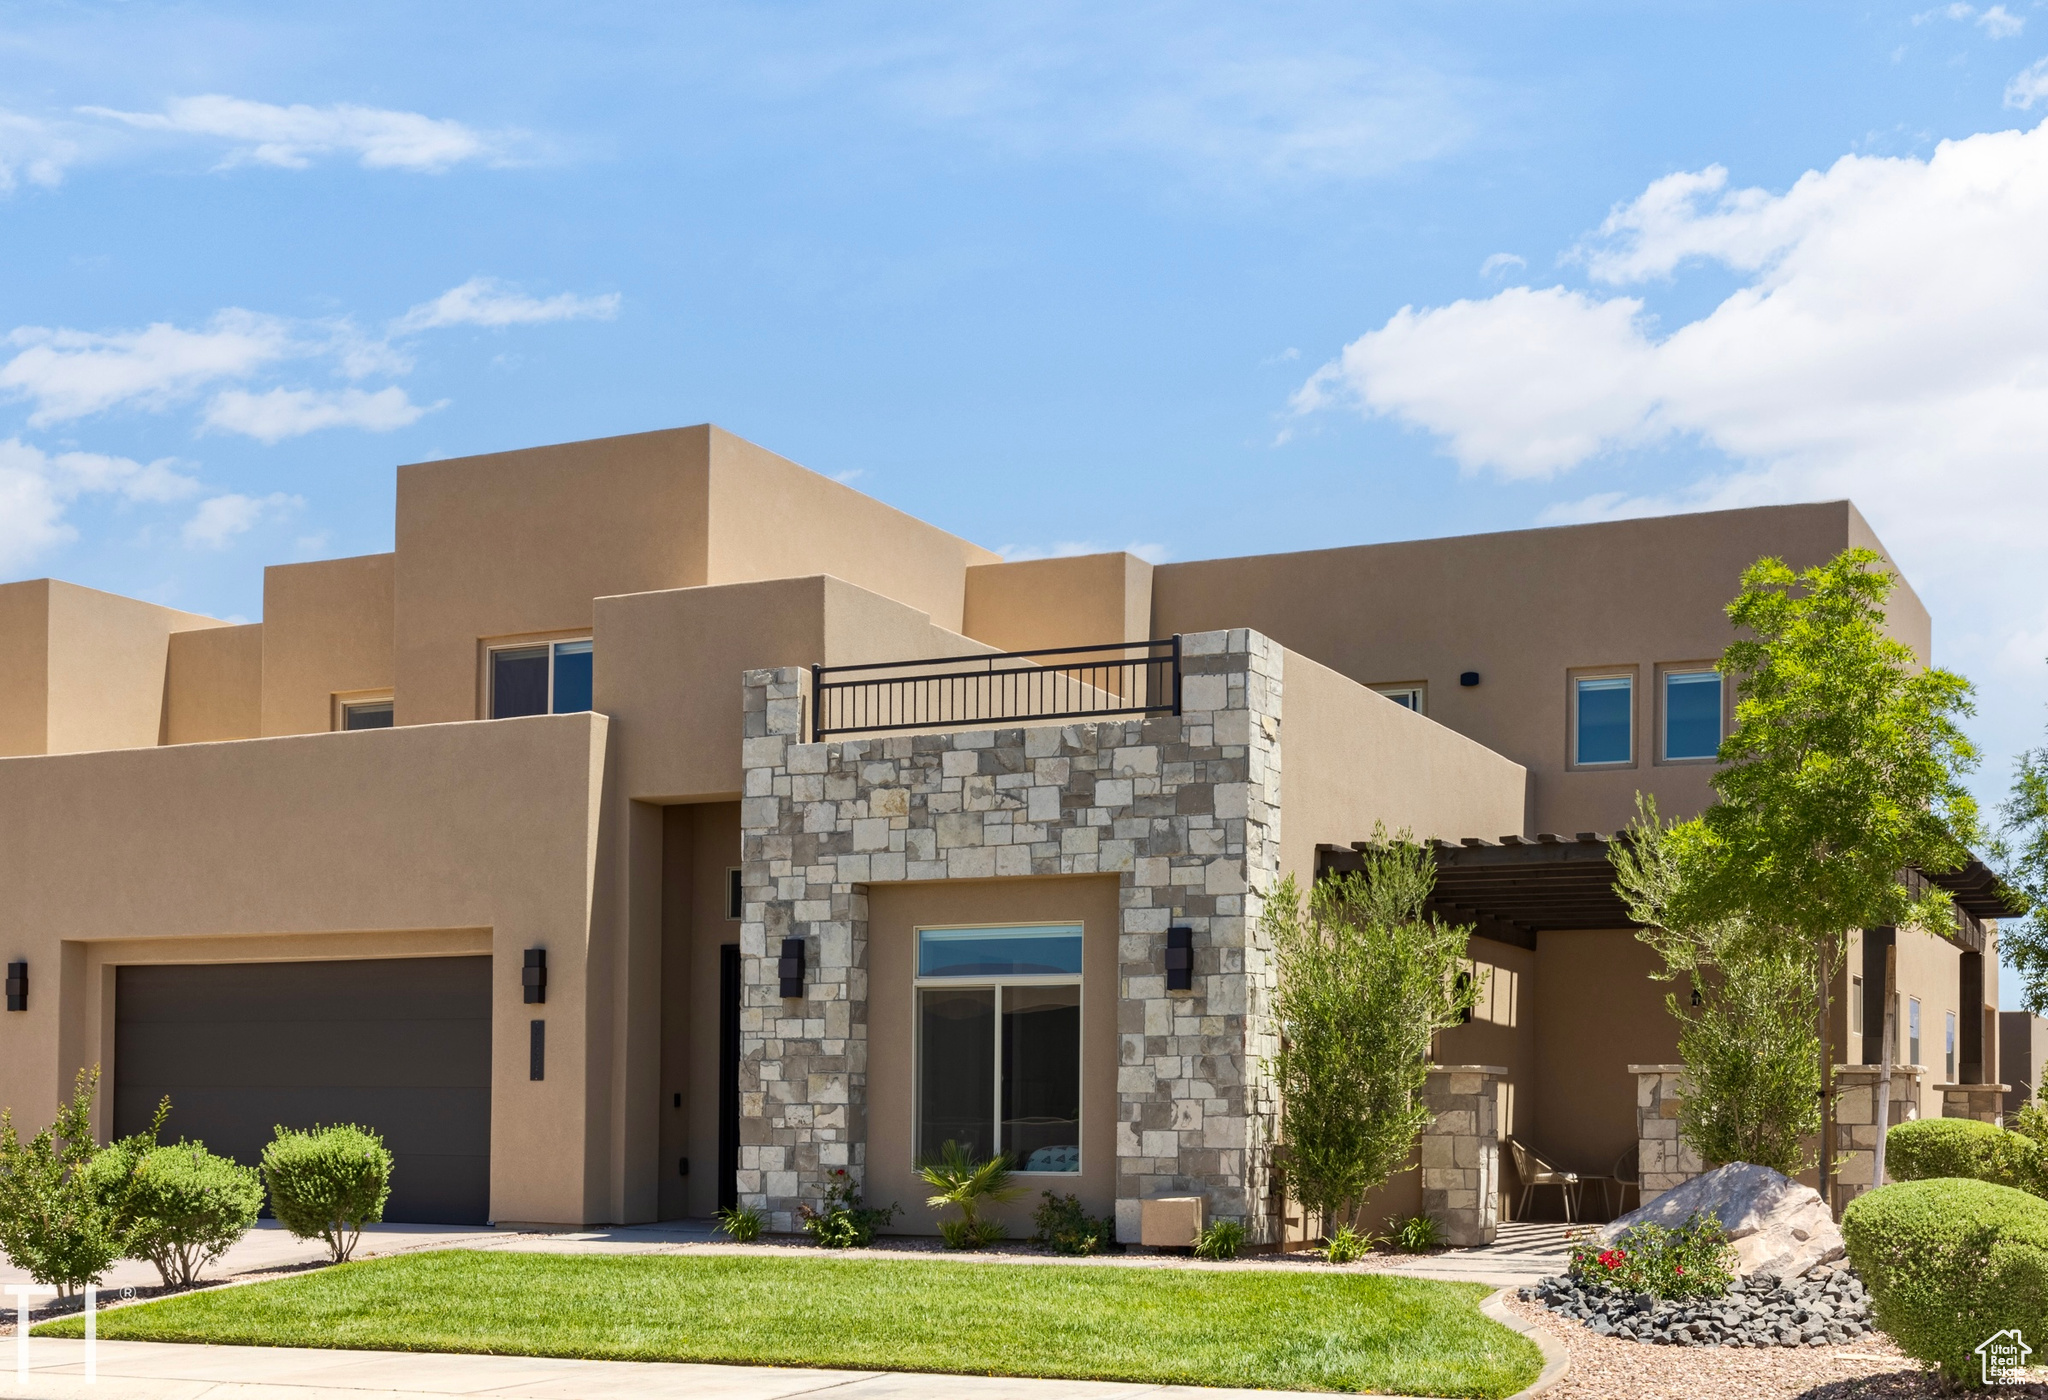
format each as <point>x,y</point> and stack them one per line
<point>400,1045</point>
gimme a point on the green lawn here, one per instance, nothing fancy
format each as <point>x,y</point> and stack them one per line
<point>1283,1328</point>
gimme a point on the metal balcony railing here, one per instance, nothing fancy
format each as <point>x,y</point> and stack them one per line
<point>1098,682</point>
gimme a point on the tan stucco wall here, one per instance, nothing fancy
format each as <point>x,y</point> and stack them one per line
<point>327,632</point>
<point>25,682</point>
<point>458,827</point>
<point>1086,600</point>
<point>1524,609</point>
<point>107,659</point>
<point>1597,1012</point>
<point>213,688</point>
<point>770,518</point>
<point>1351,759</point>
<point>894,911</point>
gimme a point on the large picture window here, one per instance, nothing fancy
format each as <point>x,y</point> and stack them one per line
<point>999,1043</point>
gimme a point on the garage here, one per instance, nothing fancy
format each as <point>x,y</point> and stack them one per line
<point>398,1045</point>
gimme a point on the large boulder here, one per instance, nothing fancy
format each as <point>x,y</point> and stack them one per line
<point>1776,1225</point>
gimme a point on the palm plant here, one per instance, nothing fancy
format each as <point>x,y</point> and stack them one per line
<point>959,1181</point>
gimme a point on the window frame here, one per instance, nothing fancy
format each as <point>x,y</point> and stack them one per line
<point>1076,980</point>
<point>346,700</point>
<point>1418,689</point>
<point>550,641</point>
<point>1687,668</point>
<point>1948,1047</point>
<point>1573,679</point>
<point>1913,1030</point>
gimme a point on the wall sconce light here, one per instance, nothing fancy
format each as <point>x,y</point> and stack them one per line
<point>790,968</point>
<point>1468,678</point>
<point>535,976</point>
<point>1180,960</point>
<point>17,986</point>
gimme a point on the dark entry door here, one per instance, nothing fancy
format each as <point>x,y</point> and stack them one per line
<point>728,1076</point>
<point>398,1045</point>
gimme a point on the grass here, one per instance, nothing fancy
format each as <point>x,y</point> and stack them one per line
<point>1280,1328</point>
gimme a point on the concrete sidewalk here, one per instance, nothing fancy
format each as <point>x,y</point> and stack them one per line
<point>165,1371</point>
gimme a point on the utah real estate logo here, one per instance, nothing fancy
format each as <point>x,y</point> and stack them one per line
<point>2005,1357</point>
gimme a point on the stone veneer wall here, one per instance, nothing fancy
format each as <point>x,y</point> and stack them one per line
<point>1983,1102</point>
<point>1185,809</point>
<point>1856,1122</point>
<point>1461,1151</point>
<point>1664,1159</point>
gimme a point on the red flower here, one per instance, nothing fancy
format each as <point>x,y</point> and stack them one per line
<point>1613,1258</point>
<point>1678,1269</point>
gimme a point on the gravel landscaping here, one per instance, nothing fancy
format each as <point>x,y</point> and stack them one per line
<point>1827,1307</point>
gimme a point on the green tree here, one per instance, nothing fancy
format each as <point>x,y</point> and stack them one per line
<point>53,1224</point>
<point>1366,980</point>
<point>1842,774</point>
<point>2021,855</point>
<point>1746,1032</point>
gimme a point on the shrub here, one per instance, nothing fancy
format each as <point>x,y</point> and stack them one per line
<point>1693,1261</point>
<point>1346,1245</point>
<point>54,1224</point>
<point>740,1224</point>
<point>958,1180</point>
<point>1950,1263</point>
<point>842,1222</point>
<point>178,1207</point>
<point>1415,1234</point>
<point>1929,1148</point>
<point>1065,1228</point>
<point>1222,1239</point>
<point>328,1183</point>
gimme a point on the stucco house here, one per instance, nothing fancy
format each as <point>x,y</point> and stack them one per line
<point>662,825</point>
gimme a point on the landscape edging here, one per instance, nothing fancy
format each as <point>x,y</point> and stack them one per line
<point>1557,1362</point>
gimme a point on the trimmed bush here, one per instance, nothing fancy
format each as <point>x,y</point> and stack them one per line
<point>181,1207</point>
<point>328,1183</point>
<point>1949,1264</point>
<point>1932,1148</point>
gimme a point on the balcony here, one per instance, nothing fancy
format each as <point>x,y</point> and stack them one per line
<point>997,688</point>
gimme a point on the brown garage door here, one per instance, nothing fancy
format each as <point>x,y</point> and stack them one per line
<point>400,1045</point>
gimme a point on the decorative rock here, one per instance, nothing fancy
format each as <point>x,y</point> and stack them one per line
<point>1829,1307</point>
<point>1776,1225</point>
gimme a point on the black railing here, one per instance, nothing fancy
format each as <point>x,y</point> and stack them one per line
<point>1120,678</point>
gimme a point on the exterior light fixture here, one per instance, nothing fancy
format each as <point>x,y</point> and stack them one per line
<point>790,968</point>
<point>17,986</point>
<point>1468,678</point>
<point>535,978</point>
<point>1180,960</point>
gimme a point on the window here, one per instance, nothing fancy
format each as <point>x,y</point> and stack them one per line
<point>1692,715</point>
<point>366,714</point>
<point>1913,1031</point>
<point>1948,1047</point>
<point>1408,697</point>
<point>1603,715</point>
<point>1855,1006</point>
<point>999,1043</point>
<point>552,678</point>
<point>735,901</point>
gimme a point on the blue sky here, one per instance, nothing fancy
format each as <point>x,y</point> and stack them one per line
<point>1053,276</point>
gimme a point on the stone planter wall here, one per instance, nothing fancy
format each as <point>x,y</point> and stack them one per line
<point>1856,1122</point>
<point>1184,809</point>
<point>1983,1102</point>
<point>1461,1151</point>
<point>1664,1159</point>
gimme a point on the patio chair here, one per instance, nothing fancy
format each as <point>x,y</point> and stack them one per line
<point>1627,1176</point>
<point>1536,1172</point>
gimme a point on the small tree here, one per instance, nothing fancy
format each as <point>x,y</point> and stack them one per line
<point>181,1207</point>
<point>1842,774</point>
<point>1366,980</point>
<point>328,1183</point>
<point>1746,1035</point>
<point>53,1223</point>
<point>958,1179</point>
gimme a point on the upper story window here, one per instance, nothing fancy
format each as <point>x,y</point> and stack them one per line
<point>366,714</point>
<point>1603,720</point>
<point>1692,715</point>
<point>551,678</point>
<point>999,1043</point>
<point>1912,1030</point>
<point>1408,697</point>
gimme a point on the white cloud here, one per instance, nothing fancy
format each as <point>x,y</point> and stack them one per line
<point>277,414</point>
<point>68,374</point>
<point>32,150</point>
<point>37,488</point>
<point>1997,21</point>
<point>1887,341</point>
<point>1501,262</point>
<point>2028,86</point>
<point>485,301</point>
<point>220,518</point>
<point>293,137</point>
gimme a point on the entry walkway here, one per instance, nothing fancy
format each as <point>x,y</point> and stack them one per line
<point>1521,1253</point>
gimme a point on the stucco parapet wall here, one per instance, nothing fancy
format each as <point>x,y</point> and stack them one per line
<point>1184,810</point>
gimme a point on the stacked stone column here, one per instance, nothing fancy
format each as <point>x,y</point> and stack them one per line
<point>1856,1122</point>
<point>1461,1151</point>
<point>1983,1102</point>
<point>1665,1160</point>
